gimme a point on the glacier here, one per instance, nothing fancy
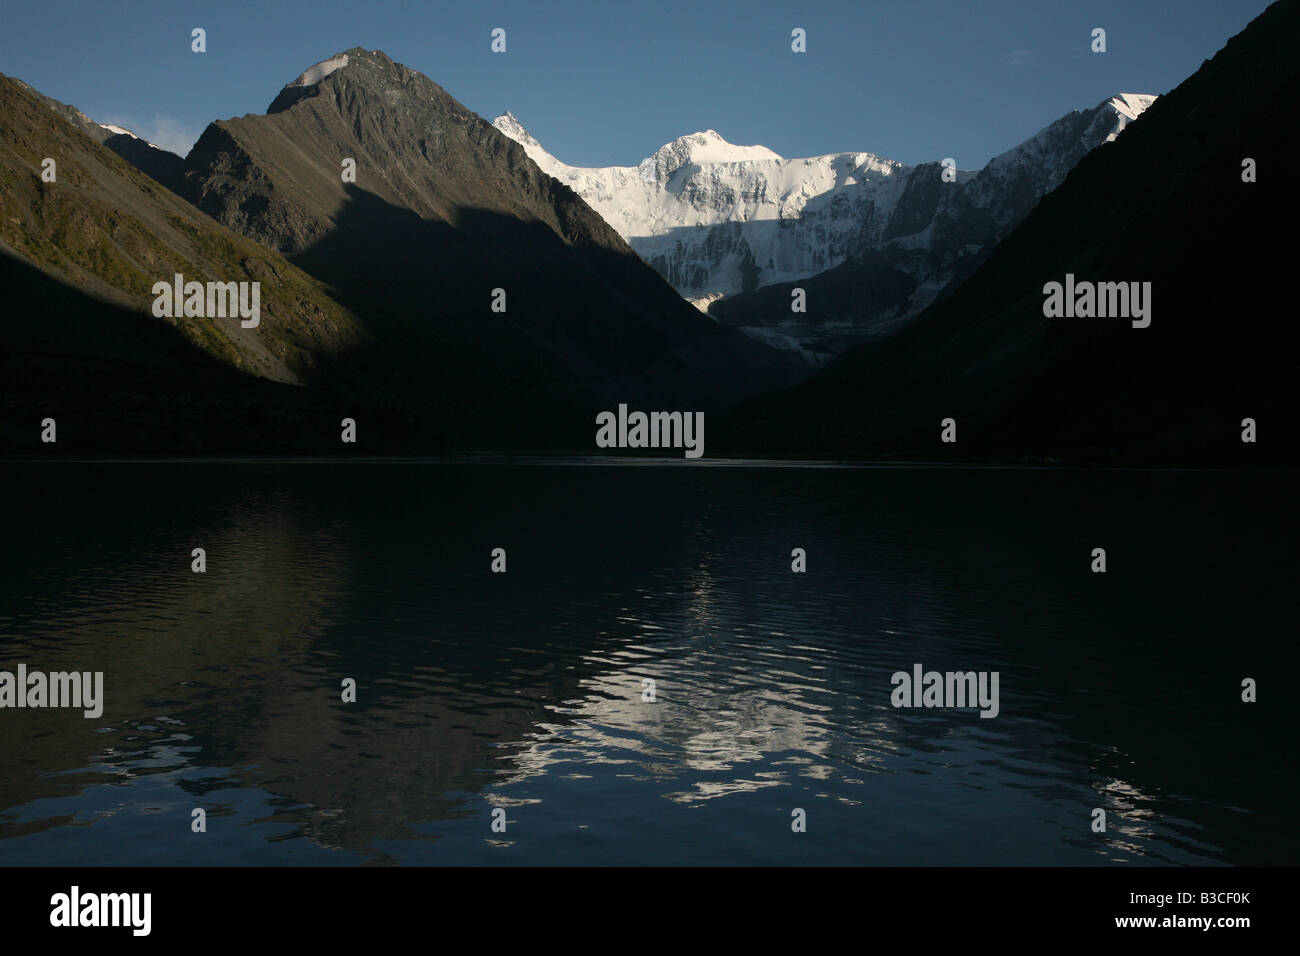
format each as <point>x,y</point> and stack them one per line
<point>719,220</point>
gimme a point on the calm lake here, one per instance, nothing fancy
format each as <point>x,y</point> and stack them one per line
<point>525,690</point>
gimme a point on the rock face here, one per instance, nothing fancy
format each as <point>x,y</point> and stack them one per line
<point>719,221</point>
<point>714,218</point>
<point>1168,203</point>
<point>79,256</point>
<point>444,212</point>
<point>108,231</point>
<point>152,160</point>
<point>377,296</point>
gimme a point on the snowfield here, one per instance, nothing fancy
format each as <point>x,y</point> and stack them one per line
<point>716,219</point>
<point>314,74</point>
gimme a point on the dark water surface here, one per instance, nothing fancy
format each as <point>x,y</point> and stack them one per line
<point>523,690</point>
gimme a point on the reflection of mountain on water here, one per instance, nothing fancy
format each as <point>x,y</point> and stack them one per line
<point>109,587</point>
<point>244,662</point>
<point>524,690</point>
<point>766,681</point>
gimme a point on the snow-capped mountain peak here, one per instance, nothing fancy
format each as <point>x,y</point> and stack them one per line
<point>703,180</point>
<point>509,124</point>
<point>1041,162</point>
<point>1131,105</point>
<point>707,147</point>
<point>714,217</point>
<point>721,181</point>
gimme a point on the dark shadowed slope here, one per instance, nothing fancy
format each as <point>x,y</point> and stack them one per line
<point>406,355</point>
<point>445,210</point>
<point>1165,204</point>
<point>933,237</point>
<point>118,382</point>
<point>80,257</point>
<point>112,232</point>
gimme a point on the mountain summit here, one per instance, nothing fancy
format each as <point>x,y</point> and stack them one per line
<point>765,218</point>
<point>1172,205</point>
<point>80,340</point>
<point>444,212</point>
<point>719,220</point>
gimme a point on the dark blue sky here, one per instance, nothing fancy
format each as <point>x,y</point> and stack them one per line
<point>607,83</point>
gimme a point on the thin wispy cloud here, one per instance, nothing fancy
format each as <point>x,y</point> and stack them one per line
<point>1019,57</point>
<point>165,132</point>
